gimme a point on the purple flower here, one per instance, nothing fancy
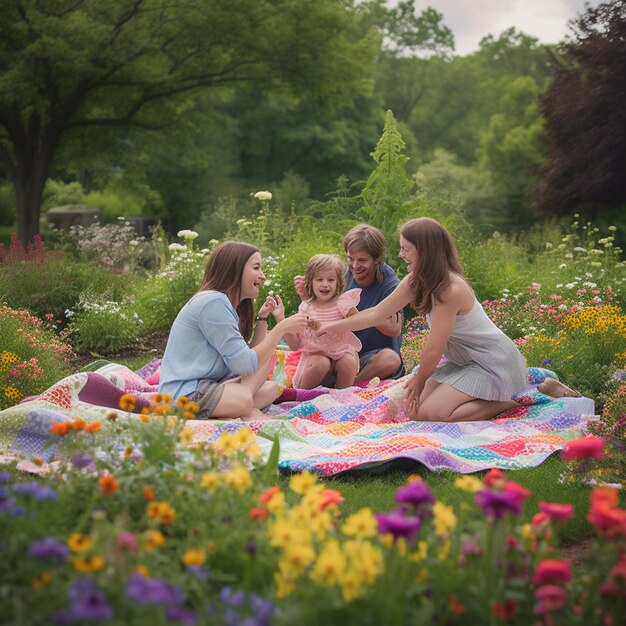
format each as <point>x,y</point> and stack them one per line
<point>498,503</point>
<point>49,550</point>
<point>471,547</point>
<point>62,617</point>
<point>182,615</point>
<point>81,461</point>
<point>91,606</point>
<point>39,492</point>
<point>229,597</point>
<point>415,493</point>
<point>4,494</point>
<point>397,524</point>
<point>198,571</point>
<point>6,477</point>
<point>262,609</point>
<point>546,362</point>
<point>152,590</point>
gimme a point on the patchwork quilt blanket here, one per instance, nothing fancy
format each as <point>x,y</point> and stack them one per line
<point>323,430</point>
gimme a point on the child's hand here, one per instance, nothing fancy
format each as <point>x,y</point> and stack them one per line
<point>298,283</point>
<point>316,326</point>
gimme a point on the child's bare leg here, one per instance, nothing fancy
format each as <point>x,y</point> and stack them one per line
<point>346,368</point>
<point>316,367</point>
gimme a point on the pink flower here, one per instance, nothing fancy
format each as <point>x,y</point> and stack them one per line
<point>557,512</point>
<point>585,448</point>
<point>550,598</point>
<point>127,541</point>
<point>552,571</point>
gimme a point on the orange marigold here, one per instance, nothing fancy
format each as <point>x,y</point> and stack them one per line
<point>108,484</point>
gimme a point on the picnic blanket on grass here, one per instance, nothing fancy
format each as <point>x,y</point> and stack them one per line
<point>323,430</point>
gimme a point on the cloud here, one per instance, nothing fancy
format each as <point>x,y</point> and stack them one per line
<point>470,21</point>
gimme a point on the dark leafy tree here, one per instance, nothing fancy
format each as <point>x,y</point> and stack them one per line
<point>585,119</point>
<point>67,66</point>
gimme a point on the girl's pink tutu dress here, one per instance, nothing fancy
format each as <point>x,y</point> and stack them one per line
<point>333,344</point>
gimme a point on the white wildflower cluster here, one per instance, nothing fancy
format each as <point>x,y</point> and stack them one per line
<point>187,235</point>
<point>263,196</point>
<point>111,245</point>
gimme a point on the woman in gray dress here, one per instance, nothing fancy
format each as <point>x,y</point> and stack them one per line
<point>483,368</point>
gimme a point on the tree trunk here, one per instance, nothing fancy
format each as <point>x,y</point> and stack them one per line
<point>29,176</point>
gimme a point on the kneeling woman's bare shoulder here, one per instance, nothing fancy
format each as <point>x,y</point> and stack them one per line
<point>458,295</point>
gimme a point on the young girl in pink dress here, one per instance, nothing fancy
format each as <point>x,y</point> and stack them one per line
<point>334,352</point>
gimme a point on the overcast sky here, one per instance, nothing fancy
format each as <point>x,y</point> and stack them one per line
<point>471,20</point>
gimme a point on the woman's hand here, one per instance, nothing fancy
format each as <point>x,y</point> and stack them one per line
<point>414,387</point>
<point>273,304</point>
<point>293,324</point>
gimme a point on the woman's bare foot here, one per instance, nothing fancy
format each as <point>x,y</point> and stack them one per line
<point>256,416</point>
<point>556,389</point>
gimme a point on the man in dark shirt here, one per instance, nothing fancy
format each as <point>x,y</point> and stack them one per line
<point>365,250</point>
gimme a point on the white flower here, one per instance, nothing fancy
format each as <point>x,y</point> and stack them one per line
<point>613,228</point>
<point>213,242</point>
<point>187,234</point>
<point>562,266</point>
<point>133,242</point>
<point>570,286</point>
<point>263,196</point>
<point>579,249</point>
<point>175,246</point>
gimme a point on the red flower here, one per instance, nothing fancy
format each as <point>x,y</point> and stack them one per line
<point>268,494</point>
<point>257,513</point>
<point>148,494</point>
<point>605,515</point>
<point>557,512</point>
<point>553,571</point>
<point>328,497</point>
<point>504,611</point>
<point>586,448</point>
<point>494,475</point>
<point>539,520</point>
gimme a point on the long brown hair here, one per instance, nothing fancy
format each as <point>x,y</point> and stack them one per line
<point>436,258</point>
<point>223,273</point>
<point>319,263</point>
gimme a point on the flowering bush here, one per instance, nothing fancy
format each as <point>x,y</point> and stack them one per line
<point>161,296</point>
<point>133,523</point>
<point>32,357</point>
<point>414,335</point>
<point>585,352</point>
<point>102,325</point>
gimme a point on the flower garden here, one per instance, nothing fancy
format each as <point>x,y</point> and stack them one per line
<point>130,524</point>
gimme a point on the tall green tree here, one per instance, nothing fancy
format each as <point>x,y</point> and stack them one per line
<point>67,66</point>
<point>585,119</point>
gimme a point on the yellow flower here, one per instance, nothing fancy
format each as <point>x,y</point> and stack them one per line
<point>360,524</point>
<point>194,557</point>
<point>282,533</point>
<point>127,402</point>
<point>143,570</point>
<point>351,586</point>
<point>161,510</point>
<point>444,550</point>
<point>301,483</point>
<point>88,564</point>
<point>444,519</point>
<point>298,557</point>
<point>330,564</point>
<point>227,444</point>
<point>7,359</point>
<point>284,585</point>
<point>239,478</point>
<point>468,483</point>
<point>276,504</point>
<point>422,576</point>
<point>210,481</point>
<point>77,542</point>
<point>153,539</point>
<point>244,437</point>
<point>40,581</point>
<point>421,551</point>
<point>365,558</point>
<point>13,393</point>
<point>185,435</point>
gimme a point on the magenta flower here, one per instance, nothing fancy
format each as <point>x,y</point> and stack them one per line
<point>415,493</point>
<point>496,503</point>
<point>396,524</point>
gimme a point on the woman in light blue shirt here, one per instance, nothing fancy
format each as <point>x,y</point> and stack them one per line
<point>208,357</point>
